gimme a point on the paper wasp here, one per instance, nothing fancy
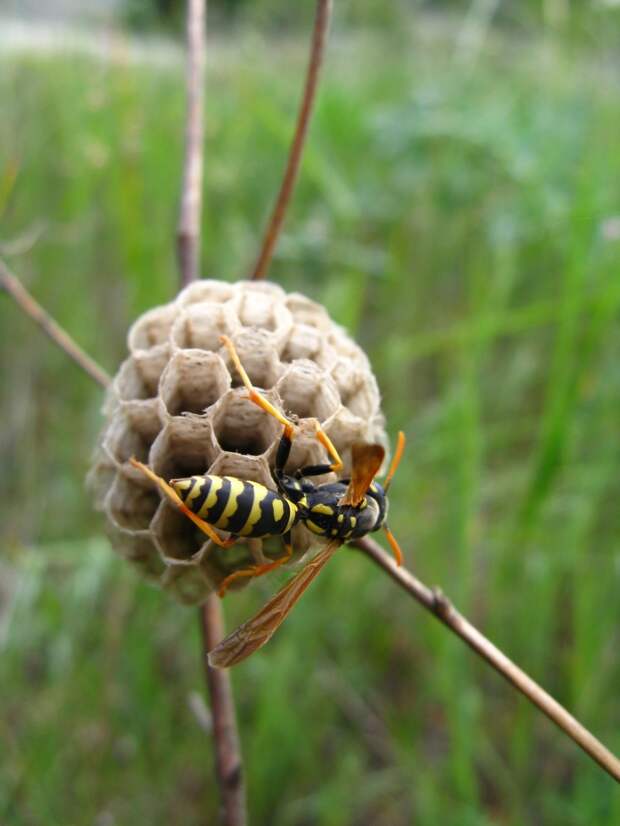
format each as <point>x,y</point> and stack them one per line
<point>341,511</point>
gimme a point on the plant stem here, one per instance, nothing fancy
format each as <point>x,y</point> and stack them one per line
<point>228,764</point>
<point>319,36</point>
<point>51,328</point>
<point>438,604</point>
<point>229,768</point>
<point>188,232</point>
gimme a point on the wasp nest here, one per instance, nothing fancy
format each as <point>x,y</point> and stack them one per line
<point>177,404</point>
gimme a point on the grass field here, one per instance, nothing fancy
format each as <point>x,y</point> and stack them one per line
<point>462,219</point>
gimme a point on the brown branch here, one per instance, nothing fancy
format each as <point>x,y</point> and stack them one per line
<point>227,752</point>
<point>188,231</point>
<point>319,36</point>
<point>442,608</point>
<point>228,764</point>
<point>51,328</point>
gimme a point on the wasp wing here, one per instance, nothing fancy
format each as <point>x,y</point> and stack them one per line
<point>366,462</point>
<point>258,630</point>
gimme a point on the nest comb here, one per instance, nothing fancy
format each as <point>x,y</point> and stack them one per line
<point>177,404</point>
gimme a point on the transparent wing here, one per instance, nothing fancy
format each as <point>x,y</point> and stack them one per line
<point>258,630</point>
<point>366,461</point>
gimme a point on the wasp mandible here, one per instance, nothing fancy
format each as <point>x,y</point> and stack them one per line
<point>340,511</point>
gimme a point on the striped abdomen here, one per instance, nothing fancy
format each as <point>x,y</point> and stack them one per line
<point>242,508</point>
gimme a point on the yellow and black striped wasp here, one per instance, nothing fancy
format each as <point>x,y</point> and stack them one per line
<point>340,511</point>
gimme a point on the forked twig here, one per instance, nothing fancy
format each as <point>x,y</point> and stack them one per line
<point>51,328</point>
<point>442,608</point>
<point>188,232</point>
<point>319,36</point>
<point>227,750</point>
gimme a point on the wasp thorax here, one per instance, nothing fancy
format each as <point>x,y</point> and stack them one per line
<point>177,405</point>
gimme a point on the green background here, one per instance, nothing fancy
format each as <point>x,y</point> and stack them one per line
<point>459,211</point>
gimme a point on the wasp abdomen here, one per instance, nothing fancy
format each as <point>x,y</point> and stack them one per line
<point>241,507</point>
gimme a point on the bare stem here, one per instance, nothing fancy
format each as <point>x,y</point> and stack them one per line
<point>51,328</point>
<point>188,232</point>
<point>319,36</point>
<point>229,771</point>
<point>227,752</point>
<point>435,602</point>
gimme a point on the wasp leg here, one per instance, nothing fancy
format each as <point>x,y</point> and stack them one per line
<point>398,554</point>
<point>259,570</point>
<point>172,495</point>
<point>254,395</point>
<point>289,428</point>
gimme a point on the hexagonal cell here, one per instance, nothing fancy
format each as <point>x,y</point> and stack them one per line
<point>176,536</point>
<point>219,562</point>
<point>138,377</point>
<point>192,381</point>
<point>131,506</point>
<point>201,325</point>
<point>206,289</point>
<point>307,391</point>
<point>361,395</point>
<point>243,466</point>
<point>143,416</point>
<point>185,446</point>
<point>189,585</point>
<point>259,304</point>
<point>241,427</point>
<point>345,429</point>
<point>345,346</point>
<point>149,567</point>
<point>124,440</point>
<point>258,357</point>
<point>152,328</point>
<point>99,479</point>
<point>304,342</point>
<point>308,312</point>
<point>138,548</point>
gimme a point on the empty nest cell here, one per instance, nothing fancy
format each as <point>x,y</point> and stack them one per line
<point>152,328</point>
<point>307,391</point>
<point>192,381</point>
<point>206,290</point>
<point>241,427</point>
<point>201,325</point>
<point>176,536</point>
<point>139,375</point>
<point>124,440</point>
<point>184,447</point>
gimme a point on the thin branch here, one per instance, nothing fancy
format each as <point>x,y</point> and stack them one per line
<point>228,763</point>
<point>438,604</point>
<point>10,284</point>
<point>227,752</point>
<point>319,36</point>
<point>188,232</point>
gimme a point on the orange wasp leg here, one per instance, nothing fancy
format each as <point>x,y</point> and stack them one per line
<point>261,401</point>
<point>256,570</point>
<point>172,495</point>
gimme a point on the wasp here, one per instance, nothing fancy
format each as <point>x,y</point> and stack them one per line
<point>340,511</point>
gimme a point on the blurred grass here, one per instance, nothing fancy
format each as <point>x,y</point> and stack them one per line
<point>462,220</point>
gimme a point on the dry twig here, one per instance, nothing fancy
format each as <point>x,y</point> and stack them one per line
<point>319,36</point>
<point>442,608</point>
<point>227,751</point>
<point>228,763</point>
<point>188,233</point>
<point>51,328</point>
